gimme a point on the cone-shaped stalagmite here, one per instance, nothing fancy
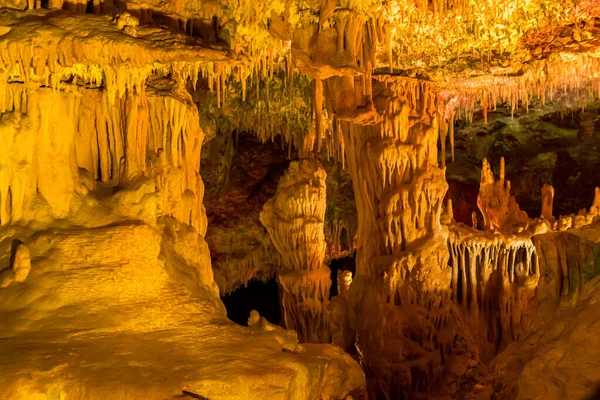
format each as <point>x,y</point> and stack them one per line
<point>294,218</point>
<point>547,201</point>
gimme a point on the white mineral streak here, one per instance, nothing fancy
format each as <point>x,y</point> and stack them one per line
<point>294,218</point>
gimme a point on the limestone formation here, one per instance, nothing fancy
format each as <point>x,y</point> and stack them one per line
<point>401,293</point>
<point>294,219</point>
<point>498,207</point>
<point>107,113</point>
<point>20,266</point>
<point>100,180</point>
<point>547,199</point>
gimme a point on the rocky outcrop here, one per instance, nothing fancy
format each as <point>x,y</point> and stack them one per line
<point>498,207</point>
<point>559,358</point>
<point>569,260</point>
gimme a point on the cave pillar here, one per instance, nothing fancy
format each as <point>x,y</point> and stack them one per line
<point>400,298</point>
<point>294,218</point>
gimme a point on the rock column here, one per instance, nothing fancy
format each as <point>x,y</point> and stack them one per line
<point>294,218</point>
<point>399,302</point>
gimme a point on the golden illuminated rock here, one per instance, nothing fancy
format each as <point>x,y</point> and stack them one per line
<point>498,207</point>
<point>106,282</point>
<point>294,219</point>
<point>547,199</point>
<point>102,226</point>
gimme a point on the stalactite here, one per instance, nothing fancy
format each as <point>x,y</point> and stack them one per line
<point>114,140</point>
<point>503,273</point>
<point>542,79</point>
<point>294,218</point>
<point>30,144</point>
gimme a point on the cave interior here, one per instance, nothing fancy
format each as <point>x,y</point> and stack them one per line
<point>299,199</point>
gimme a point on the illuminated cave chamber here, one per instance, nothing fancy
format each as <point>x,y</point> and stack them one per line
<point>106,275</point>
<point>422,139</point>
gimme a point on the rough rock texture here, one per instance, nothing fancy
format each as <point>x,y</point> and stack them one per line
<point>541,146</point>
<point>294,218</point>
<point>103,315</point>
<point>399,303</point>
<point>107,290</point>
<point>559,360</point>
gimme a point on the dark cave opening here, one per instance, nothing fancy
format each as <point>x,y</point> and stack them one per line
<point>256,295</point>
<point>341,264</point>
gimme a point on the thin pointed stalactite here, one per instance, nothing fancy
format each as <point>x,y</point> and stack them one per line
<point>500,274</point>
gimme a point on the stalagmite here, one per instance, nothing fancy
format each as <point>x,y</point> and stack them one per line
<point>498,207</point>
<point>547,200</point>
<point>294,218</point>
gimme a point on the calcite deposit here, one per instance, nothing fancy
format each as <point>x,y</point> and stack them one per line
<point>294,219</point>
<point>418,176</point>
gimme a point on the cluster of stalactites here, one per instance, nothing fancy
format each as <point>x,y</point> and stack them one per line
<point>340,56</point>
<point>544,80</point>
<point>134,136</point>
<point>117,80</point>
<point>294,218</point>
<point>494,277</point>
<point>158,137</point>
<point>499,209</point>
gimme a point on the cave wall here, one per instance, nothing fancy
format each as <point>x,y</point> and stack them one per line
<point>545,144</point>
